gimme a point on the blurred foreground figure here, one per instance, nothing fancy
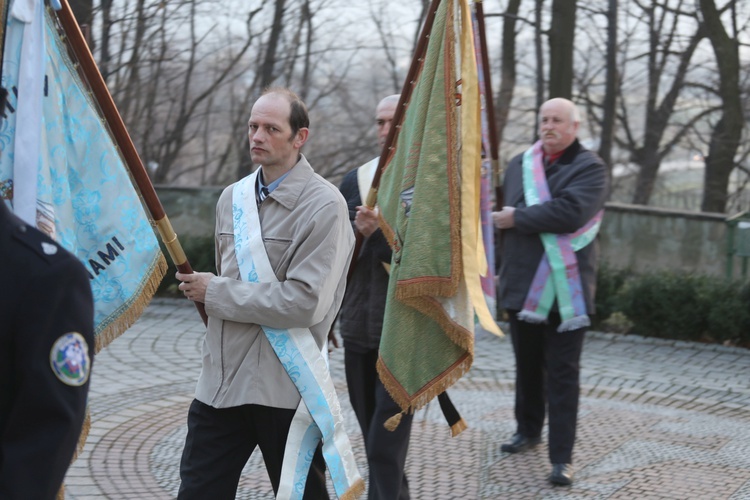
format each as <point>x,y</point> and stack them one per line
<point>46,353</point>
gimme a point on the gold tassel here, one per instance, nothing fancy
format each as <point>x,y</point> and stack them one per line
<point>84,434</point>
<point>458,427</point>
<point>355,491</point>
<point>392,423</point>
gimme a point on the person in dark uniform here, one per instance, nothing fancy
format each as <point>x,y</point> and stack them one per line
<point>46,353</point>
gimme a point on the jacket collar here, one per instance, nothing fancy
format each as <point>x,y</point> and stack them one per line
<point>570,153</point>
<point>290,189</point>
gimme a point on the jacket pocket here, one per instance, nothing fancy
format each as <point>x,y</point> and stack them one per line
<point>278,250</point>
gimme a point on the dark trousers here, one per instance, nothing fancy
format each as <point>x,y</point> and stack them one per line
<point>547,374</point>
<point>220,442</point>
<point>386,450</point>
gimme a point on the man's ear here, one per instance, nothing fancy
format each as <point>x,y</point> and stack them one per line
<point>301,138</point>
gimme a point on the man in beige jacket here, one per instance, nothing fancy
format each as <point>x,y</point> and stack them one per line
<point>244,396</point>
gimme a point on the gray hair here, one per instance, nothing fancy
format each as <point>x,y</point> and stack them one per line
<point>575,115</point>
<point>391,99</point>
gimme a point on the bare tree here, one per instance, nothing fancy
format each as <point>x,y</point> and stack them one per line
<point>422,15</point>
<point>725,138</point>
<point>269,61</point>
<point>389,44</point>
<point>507,68</point>
<point>539,52</point>
<point>668,57</point>
<point>610,93</point>
<point>560,38</point>
<point>83,11</point>
<point>104,40</point>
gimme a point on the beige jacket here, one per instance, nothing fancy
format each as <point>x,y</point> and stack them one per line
<point>309,241</point>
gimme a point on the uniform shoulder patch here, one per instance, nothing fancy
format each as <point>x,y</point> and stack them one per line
<point>69,359</point>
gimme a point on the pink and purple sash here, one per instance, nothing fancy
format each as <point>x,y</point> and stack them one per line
<point>557,276</point>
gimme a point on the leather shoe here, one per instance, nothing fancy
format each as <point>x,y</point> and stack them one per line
<point>562,474</point>
<point>519,443</point>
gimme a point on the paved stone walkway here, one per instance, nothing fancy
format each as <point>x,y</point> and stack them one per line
<point>658,420</point>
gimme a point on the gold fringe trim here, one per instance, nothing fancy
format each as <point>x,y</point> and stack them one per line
<point>428,286</point>
<point>418,293</point>
<point>85,428</point>
<point>458,427</point>
<point>433,309</point>
<point>83,436</point>
<point>136,307</point>
<point>441,383</point>
<point>392,423</point>
<point>388,232</point>
<point>355,491</point>
<point>453,142</point>
<point>441,286</point>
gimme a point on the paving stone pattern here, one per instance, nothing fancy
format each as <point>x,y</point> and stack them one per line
<point>658,420</point>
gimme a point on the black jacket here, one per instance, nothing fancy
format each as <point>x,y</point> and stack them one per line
<point>361,316</point>
<point>45,296</point>
<point>579,186</point>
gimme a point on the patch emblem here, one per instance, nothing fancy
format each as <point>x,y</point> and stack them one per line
<point>69,359</point>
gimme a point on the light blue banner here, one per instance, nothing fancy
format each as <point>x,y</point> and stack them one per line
<point>85,198</point>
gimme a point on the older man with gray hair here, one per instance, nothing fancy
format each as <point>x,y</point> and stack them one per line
<point>555,194</point>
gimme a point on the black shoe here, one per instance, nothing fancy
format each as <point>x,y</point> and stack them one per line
<point>519,443</point>
<point>562,474</point>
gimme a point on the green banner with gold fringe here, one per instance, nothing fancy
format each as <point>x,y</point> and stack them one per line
<point>429,206</point>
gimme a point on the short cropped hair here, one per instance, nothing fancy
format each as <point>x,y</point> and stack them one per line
<point>298,116</point>
<point>575,115</point>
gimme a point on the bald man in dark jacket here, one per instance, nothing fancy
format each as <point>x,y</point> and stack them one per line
<point>548,349</point>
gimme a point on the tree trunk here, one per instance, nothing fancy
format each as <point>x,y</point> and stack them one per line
<point>539,50</point>
<point>657,116</point>
<point>646,180</point>
<point>267,76</point>
<point>561,36</point>
<point>725,137</point>
<point>507,70</point>
<point>132,87</point>
<point>104,48</point>
<point>418,30</point>
<point>83,10</point>
<point>610,91</point>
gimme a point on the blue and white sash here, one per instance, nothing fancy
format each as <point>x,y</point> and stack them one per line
<point>319,412</point>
